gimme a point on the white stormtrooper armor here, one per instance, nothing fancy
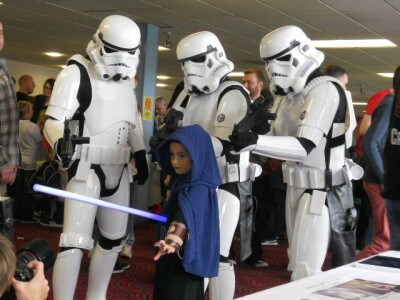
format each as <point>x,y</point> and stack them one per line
<point>309,133</point>
<point>102,172</point>
<point>217,106</point>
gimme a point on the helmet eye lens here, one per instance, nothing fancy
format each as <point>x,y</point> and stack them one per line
<point>284,58</point>
<point>198,59</point>
<point>109,50</point>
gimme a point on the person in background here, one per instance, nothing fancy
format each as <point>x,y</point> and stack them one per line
<point>365,230</point>
<point>190,250</point>
<point>52,210</point>
<point>42,101</point>
<point>365,122</point>
<point>9,143</point>
<point>391,178</point>
<point>373,144</point>
<point>157,176</point>
<point>26,88</point>
<point>339,73</point>
<point>32,151</point>
<point>161,111</point>
<point>252,194</point>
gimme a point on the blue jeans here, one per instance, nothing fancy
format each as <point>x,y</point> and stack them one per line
<point>393,210</point>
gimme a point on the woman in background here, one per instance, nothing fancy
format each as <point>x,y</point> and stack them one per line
<point>42,101</point>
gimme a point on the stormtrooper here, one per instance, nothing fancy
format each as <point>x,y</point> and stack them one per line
<point>310,133</point>
<point>98,91</point>
<point>216,104</point>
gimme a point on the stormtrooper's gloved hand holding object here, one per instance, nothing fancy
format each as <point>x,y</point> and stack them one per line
<point>245,141</point>
<point>309,134</point>
<point>101,90</point>
<point>141,167</point>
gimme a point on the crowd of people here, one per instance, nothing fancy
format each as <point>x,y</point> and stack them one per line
<point>281,177</point>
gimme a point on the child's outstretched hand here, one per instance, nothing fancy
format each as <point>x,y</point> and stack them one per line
<point>163,249</point>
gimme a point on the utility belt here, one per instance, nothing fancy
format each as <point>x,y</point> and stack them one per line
<point>237,172</point>
<point>308,178</point>
<point>101,155</point>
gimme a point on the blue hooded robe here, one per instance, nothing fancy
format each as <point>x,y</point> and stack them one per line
<point>195,194</point>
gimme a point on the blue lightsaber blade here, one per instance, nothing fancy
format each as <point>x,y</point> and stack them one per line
<point>81,198</point>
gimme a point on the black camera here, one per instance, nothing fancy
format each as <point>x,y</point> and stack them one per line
<point>6,217</point>
<point>37,249</point>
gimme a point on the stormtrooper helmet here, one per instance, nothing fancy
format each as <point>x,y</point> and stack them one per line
<point>114,48</point>
<point>289,59</point>
<point>203,61</point>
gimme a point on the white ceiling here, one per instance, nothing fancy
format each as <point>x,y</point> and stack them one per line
<point>34,26</point>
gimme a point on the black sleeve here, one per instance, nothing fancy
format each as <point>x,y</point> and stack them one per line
<point>178,216</point>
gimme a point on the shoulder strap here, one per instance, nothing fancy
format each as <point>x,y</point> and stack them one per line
<point>185,101</point>
<point>332,142</point>
<point>84,94</point>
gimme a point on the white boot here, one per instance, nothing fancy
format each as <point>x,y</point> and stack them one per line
<point>100,271</point>
<point>223,286</point>
<point>65,274</point>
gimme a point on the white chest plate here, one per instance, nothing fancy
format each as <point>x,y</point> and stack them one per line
<point>112,110</point>
<point>202,110</point>
<point>288,112</point>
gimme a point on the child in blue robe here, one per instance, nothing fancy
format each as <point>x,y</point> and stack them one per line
<point>190,251</point>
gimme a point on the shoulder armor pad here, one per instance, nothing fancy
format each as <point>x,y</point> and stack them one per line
<point>230,110</point>
<point>229,85</point>
<point>317,81</point>
<point>80,59</point>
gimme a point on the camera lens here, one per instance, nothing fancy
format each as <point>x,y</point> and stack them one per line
<point>22,272</point>
<point>37,249</point>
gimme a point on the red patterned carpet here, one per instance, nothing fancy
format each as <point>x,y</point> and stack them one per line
<point>137,282</point>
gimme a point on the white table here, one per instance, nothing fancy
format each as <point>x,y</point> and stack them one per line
<point>352,281</point>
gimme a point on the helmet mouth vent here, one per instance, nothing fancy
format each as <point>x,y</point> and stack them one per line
<point>118,65</point>
<point>195,90</point>
<point>117,77</point>
<point>279,91</point>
